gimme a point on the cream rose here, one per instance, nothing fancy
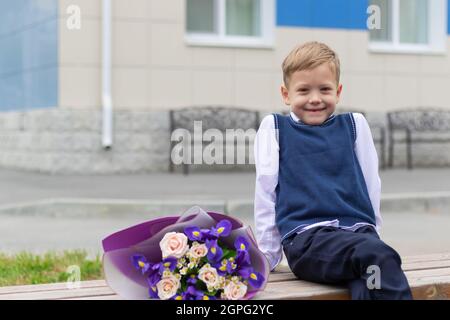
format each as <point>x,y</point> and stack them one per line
<point>174,244</point>
<point>198,250</point>
<point>167,287</point>
<point>235,290</point>
<point>209,275</point>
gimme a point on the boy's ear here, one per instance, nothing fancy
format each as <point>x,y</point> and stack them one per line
<point>285,94</point>
<point>338,92</point>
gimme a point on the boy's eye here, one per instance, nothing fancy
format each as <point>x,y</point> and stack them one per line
<point>326,89</point>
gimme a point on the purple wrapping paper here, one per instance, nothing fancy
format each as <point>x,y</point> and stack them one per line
<point>144,239</point>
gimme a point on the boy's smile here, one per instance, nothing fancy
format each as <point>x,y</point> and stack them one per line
<point>312,94</point>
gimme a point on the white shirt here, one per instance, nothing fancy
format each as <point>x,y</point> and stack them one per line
<point>267,163</point>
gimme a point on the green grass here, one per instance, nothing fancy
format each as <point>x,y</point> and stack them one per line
<point>25,268</point>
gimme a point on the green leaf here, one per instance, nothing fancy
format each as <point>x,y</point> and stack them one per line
<point>227,254</point>
<point>183,285</point>
<point>211,293</point>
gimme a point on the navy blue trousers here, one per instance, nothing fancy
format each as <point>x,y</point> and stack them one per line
<point>359,260</point>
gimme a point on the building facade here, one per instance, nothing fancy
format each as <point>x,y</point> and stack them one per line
<point>176,53</point>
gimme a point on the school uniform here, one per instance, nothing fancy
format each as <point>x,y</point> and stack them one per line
<point>317,198</point>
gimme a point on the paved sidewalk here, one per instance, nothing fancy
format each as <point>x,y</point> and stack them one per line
<point>18,187</point>
<point>408,232</point>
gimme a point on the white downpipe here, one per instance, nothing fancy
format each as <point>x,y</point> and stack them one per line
<point>107,117</point>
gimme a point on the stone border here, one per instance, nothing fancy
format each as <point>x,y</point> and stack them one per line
<point>432,203</point>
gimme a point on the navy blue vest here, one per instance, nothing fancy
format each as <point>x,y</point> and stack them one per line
<point>319,176</point>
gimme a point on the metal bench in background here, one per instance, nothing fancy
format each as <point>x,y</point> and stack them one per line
<point>212,117</point>
<point>378,133</point>
<point>417,124</point>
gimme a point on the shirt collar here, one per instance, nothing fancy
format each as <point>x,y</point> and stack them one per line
<point>296,119</point>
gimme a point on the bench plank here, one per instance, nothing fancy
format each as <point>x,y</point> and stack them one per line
<point>49,287</point>
<point>425,284</point>
<point>428,276</point>
<point>105,297</point>
<point>283,273</point>
<point>59,294</point>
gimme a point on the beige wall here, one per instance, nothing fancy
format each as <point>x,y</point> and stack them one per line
<point>154,69</point>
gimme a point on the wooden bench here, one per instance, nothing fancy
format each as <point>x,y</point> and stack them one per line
<point>212,117</point>
<point>417,125</point>
<point>428,276</point>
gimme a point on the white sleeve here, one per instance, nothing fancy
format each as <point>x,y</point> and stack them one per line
<point>266,164</point>
<point>368,160</point>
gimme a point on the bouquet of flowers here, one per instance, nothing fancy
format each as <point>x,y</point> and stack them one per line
<point>197,256</point>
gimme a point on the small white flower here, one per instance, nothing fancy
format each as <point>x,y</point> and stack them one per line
<point>183,271</point>
<point>166,273</point>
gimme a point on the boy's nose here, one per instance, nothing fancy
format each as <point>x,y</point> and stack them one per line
<point>315,99</point>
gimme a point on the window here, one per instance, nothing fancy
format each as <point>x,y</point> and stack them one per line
<point>410,26</point>
<point>28,54</point>
<point>240,23</point>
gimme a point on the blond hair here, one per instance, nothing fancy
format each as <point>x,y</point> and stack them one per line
<point>308,56</point>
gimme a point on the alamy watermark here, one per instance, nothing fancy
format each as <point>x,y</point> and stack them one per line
<point>229,147</point>
<point>374,280</point>
<point>212,146</point>
<point>73,21</point>
<point>373,22</point>
<point>74,279</point>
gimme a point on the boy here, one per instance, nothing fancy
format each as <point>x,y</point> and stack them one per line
<point>317,194</point>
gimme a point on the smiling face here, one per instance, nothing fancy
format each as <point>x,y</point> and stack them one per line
<point>312,94</point>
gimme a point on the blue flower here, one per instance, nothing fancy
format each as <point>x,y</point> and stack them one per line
<point>157,269</point>
<point>153,292</point>
<point>192,279</point>
<point>193,233</point>
<point>243,258</point>
<point>207,234</point>
<point>255,279</point>
<point>222,229</point>
<point>241,244</point>
<point>140,263</point>
<point>244,267</point>
<point>221,268</point>
<point>154,270</point>
<point>225,267</point>
<point>192,293</point>
<point>154,276</point>
<point>168,263</point>
<point>215,253</point>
